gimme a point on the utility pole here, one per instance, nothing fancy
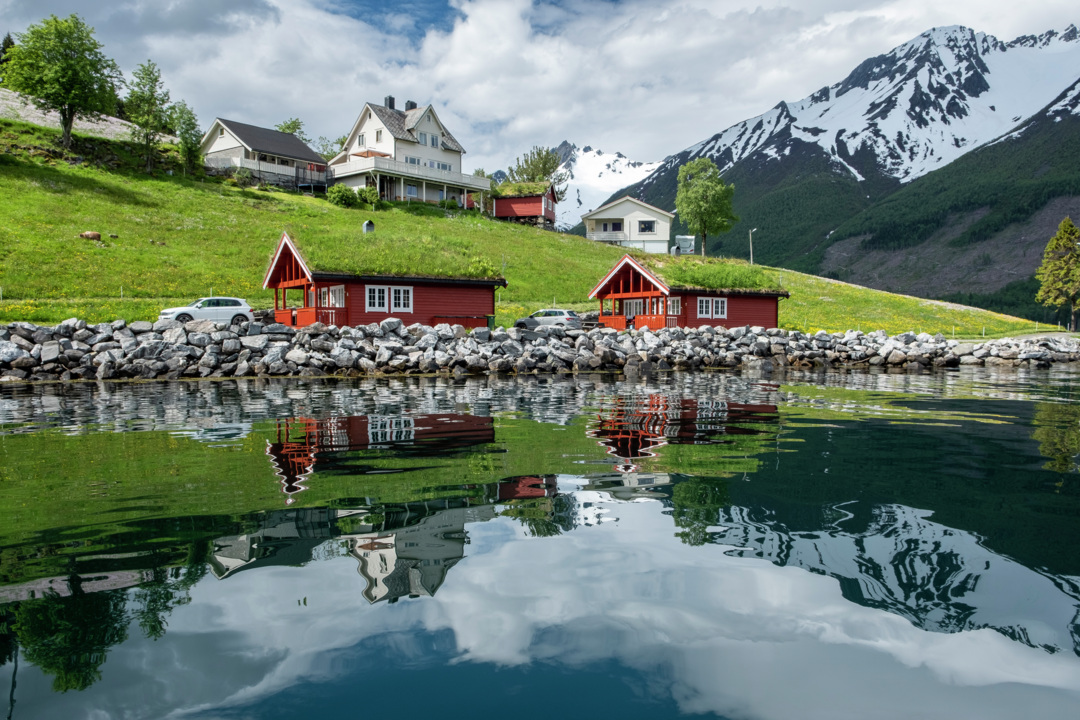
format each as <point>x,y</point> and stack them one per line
<point>752,245</point>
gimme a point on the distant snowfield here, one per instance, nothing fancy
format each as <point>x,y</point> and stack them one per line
<point>594,176</point>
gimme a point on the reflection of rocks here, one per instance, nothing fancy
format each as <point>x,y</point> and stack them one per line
<point>939,578</point>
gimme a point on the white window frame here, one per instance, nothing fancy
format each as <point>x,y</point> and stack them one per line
<point>413,160</point>
<point>441,165</point>
<point>402,293</point>
<point>376,293</point>
<point>674,305</point>
<point>642,225</point>
<point>411,191</point>
<point>395,299</point>
<point>324,296</point>
<point>378,136</point>
<point>434,140</point>
<point>336,296</point>
<point>360,140</point>
<point>423,138</point>
<point>713,307</point>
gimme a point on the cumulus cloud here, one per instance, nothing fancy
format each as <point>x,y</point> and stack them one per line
<point>643,77</point>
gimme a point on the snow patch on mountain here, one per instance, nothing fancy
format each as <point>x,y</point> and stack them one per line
<point>917,108</point>
<point>593,176</point>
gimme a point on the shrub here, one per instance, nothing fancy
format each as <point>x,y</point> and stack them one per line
<point>342,196</point>
<point>449,204</point>
<point>383,205</point>
<point>369,195</point>
<point>243,177</point>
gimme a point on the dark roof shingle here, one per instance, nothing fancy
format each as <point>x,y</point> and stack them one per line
<point>400,123</point>
<point>274,142</point>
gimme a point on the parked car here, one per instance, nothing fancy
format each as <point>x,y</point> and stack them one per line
<point>228,310</point>
<point>550,316</point>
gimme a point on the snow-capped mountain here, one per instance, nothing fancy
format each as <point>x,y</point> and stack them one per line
<point>593,176</point>
<point>912,110</point>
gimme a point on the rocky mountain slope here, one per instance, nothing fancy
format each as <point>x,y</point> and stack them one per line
<point>593,176</point>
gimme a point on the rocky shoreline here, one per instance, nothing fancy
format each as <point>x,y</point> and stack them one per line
<point>167,349</point>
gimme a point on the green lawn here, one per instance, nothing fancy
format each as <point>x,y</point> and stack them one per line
<point>179,238</point>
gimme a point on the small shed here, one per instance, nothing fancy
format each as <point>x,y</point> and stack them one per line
<point>670,293</point>
<point>330,288</point>
<point>532,203</point>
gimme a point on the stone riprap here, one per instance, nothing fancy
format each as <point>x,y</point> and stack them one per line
<point>74,350</point>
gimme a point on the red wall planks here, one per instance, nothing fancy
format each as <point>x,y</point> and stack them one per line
<point>450,303</point>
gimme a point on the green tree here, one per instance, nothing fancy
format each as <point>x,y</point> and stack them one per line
<point>186,125</point>
<point>696,506</point>
<point>147,107</point>
<point>59,66</point>
<point>703,200</point>
<point>1057,429</point>
<point>5,45</point>
<point>294,126</point>
<point>539,165</point>
<point>1059,274</point>
<point>325,146</point>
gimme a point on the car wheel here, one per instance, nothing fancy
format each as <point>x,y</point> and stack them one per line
<point>237,319</point>
<point>522,326</point>
<point>183,318</point>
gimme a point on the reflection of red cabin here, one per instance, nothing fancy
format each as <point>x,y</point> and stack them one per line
<point>633,429</point>
<point>527,487</point>
<point>304,445</point>
<point>632,295</point>
<point>532,203</point>
<point>339,298</point>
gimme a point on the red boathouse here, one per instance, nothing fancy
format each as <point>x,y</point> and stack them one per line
<point>632,295</point>
<point>305,294</point>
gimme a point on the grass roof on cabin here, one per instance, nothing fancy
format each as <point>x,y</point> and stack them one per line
<point>520,189</point>
<point>708,273</point>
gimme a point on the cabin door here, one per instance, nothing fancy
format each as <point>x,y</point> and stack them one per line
<point>633,308</point>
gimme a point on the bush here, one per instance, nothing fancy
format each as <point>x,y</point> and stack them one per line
<point>243,177</point>
<point>342,196</point>
<point>449,204</point>
<point>383,205</point>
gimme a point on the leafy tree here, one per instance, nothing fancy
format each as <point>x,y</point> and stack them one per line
<point>147,107</point>
<point>703,200</point>
<point>1059,274</point>
<point>326,147</point>
<point>60,67</point>
<point>294,126</point>
<point>1057,429</point>
<point>539,165</point>
<point>186,125</point>
<point>696,507</point>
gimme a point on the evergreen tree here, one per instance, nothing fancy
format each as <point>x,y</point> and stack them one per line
<point>539,165</point>
<point>703,200</point>
<point>1059,274</point>
<point>5,46</point>
<point>186,125</point>
<point>59,66</point>
<point>147,107</point>
<point>294,126</point>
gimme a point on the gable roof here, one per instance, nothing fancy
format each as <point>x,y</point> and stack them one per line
<point>265,140</point>
<point>627,260</point>
<point>401,124</point>
<point>616,201</point>
<point>693,273</point>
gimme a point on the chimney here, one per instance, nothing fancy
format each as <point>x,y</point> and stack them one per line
<point>389,101</point>
<point>410,105</point>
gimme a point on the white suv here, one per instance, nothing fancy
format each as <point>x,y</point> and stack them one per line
<point>550,316</point>
<point>227,310</point>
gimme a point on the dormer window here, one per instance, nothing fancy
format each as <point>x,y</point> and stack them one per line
<point>423,138</point>
<point>434,140</point>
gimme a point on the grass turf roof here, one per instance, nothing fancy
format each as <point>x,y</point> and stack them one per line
<point>399,256</point>
<point>521,189</point>
<point>694,271</point>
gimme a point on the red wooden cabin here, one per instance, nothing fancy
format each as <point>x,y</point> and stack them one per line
<point>337,298</point>
<point>631,295</point>
<point>532,203</point>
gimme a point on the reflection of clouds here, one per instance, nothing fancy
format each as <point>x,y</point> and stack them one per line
<point>720,634</point>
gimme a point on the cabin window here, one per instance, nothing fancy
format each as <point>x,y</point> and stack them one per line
<point>719,307</point>
<point>423,138</point>
<point>646,226</point>
<point>324,296</point>
<point>674,306</point>
<point>410,191</point>
<point>712,307</point>
<point>337,296</point>
<point>376,299</point>
<point>401,299</point>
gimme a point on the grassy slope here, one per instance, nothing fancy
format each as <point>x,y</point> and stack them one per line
<point>181,238</point>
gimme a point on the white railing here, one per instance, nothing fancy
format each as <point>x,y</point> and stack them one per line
<point>395,167</point>
<point>264,168</point>
<point>607,237</point>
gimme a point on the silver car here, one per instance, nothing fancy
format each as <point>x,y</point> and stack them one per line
<point>227,310</point>
<point>550,316</point>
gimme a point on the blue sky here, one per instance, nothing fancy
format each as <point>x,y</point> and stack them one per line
<point>643,77</point>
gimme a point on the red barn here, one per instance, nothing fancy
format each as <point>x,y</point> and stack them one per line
<point>531,203</point>
<point>632,295</point>
<point>336,296</point>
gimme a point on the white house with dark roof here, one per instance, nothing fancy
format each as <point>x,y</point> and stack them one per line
<point>630,223</point>
<point>271,155</point>
<point>408,154</point>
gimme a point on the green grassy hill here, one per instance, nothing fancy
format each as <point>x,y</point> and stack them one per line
<point>179,238</point>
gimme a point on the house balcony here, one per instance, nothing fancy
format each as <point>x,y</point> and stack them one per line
<point>386,166</point>
<point>614,238</point>
<point>272,172</point>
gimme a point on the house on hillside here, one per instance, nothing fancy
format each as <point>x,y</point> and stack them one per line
<point>407,154</point>
<point>328,287</point>
<point>529,203</point>
<point>630,223</point>
<point>272,156</point>
<point>632,295</point>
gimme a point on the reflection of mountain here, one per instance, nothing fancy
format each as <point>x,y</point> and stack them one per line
<point>304,445</point>
<point>939,578</point>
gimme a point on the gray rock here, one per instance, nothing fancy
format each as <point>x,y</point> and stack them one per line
<point>255,342</point>
<point>201,326</point>
<point>175,335</point>
<point>162,325</point>
<point>9,351</point>
<point>141,326</point>
<point>390,325</point>
<point>296,355</point>
<point>196,338</point>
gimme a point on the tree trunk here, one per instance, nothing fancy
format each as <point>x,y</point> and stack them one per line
<point>703,235</point>
<point>67,121</point>
<point>1072,316</point>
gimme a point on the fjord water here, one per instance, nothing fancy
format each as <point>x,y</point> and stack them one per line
<point>805,546</point>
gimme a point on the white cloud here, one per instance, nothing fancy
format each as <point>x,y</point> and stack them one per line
<point>643,77</point>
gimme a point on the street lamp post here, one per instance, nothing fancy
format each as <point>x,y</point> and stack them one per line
<point>752,245</point>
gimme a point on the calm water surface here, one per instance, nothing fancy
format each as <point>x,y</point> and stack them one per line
<point>813,546</point>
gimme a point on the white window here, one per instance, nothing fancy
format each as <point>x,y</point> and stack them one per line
<point>376,299</point>
<point>221,132</point>
<point>674,306</point>
<point>378,136</point>
<point>360,140</point>
<point>423,138</point>
<point>337,297</point>
<point>401,299</point>
<point>413,160</point>
<point>324,296</point>
<point>410,190</point>
<point>440,165</point>
<point>719,307</point>
<point>434,140</point>
<point>712,307</point>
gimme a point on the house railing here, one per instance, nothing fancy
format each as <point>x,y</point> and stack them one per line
<point>396,167</point>
<point>607,237</point>
<point>302,317</point>
<point>653,322</point>
<point>298,173</point>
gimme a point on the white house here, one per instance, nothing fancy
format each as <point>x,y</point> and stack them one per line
<point>408,154</point>
<point>271,155</point>
<point>631,223</point>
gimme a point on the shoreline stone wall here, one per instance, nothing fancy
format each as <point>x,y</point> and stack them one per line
<point>167,349</point>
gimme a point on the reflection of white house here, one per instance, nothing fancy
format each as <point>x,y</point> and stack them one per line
<point>631,223</point>
<point>408,154</point>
